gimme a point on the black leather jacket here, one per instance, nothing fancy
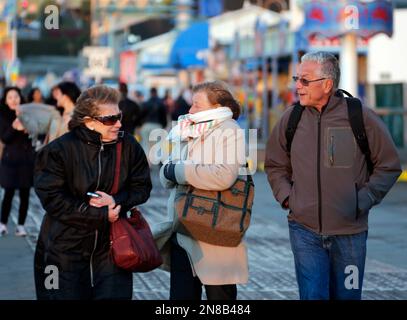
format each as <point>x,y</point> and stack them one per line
<point>75,236</point>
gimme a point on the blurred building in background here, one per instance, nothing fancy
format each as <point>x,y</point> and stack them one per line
<point>43,54</point>
<point>253,45</point>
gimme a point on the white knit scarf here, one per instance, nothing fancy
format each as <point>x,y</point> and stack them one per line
<point>197,124</point>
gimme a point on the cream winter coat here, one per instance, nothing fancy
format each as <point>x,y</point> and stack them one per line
<point>211,162</point>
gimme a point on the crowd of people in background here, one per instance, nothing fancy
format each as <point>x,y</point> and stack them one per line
<point>140,115</point>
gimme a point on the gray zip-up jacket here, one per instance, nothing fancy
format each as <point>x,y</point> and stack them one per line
<point>326,179</point>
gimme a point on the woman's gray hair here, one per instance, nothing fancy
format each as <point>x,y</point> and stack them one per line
<point>329,65</point>
<point>89,101</point>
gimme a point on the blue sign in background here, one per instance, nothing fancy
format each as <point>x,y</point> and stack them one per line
<point>333,19</point>
<point>210,8</point>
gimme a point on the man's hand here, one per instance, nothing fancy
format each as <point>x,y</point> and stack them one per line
<point>285,204</point>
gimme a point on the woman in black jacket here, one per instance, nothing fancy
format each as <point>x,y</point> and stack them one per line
<point>17,161</point>
<point>74,236</point>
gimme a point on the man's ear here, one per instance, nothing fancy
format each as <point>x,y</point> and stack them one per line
<point>328,86</point>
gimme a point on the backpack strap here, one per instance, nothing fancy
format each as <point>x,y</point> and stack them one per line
<point>355,114</point>
<point>345,92</point>
<point>292,124</point>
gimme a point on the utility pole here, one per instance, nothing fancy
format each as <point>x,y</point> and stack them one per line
<point>12,30</point>
<point>349,63</point>
<point>183,13</point>
<point>13,34</point>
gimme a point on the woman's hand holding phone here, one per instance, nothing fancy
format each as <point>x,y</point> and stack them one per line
<point>104,200</point>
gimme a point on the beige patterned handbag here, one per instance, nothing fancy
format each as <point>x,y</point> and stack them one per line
<point>216,217</point>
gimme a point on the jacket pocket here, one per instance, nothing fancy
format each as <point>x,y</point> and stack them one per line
<point>340,150</point>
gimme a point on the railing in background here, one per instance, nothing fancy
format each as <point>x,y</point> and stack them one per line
<point>396,121</point>
<point>390,111</point>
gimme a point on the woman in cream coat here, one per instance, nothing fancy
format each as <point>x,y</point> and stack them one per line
<point>208,153</point>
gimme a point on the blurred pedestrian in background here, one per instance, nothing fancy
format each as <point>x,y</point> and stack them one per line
<point>66,94</point>
<point>154,116</point>
<point>17,161</point>
<point>35,95</point>
<point>181,106</point>
<point>130,110</point>
<point>139,97</point>
<point>168,102</point>
<point>53,97</point>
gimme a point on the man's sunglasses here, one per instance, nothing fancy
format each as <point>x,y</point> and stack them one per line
<point>109,120</point>
<point>305,82</point>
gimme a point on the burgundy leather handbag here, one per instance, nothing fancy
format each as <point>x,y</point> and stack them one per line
<point>132,246</point>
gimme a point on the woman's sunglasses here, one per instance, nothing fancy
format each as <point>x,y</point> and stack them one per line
<point>109,120</point>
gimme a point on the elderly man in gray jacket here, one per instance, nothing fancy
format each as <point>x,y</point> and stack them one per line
<point>325,183</point>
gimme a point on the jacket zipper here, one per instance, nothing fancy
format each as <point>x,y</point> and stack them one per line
<point>99,167</point>
<point>91,259</point>
<point>357,201</point>
<point>331,152</point>
<point>96,232</point>
<point>319,174</point>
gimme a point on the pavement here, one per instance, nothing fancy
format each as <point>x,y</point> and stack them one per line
<point>403,159</point>
<point>16,268</point>
<point>271,263</point>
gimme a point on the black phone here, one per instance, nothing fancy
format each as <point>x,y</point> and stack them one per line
<point>93,195</point>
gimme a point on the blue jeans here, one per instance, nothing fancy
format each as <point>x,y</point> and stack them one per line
<point>328,267</point>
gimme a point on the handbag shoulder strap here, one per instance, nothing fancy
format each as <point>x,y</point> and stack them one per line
<point>115,186</point>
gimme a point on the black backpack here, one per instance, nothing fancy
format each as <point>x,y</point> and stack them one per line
<point>355,115</point>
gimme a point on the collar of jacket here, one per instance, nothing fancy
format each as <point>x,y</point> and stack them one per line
<point>334,100</point>
<point>93,137</point>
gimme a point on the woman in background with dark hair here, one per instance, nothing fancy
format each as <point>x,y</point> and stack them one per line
<point>52,98</point>
<point>17,162</point>
<point>66,94</point>
<point>35,95</point>
<point>67,99</point>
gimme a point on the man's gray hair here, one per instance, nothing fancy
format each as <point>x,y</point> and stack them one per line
<point>329,65</point>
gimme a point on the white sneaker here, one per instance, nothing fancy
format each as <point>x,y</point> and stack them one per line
<point>3,229</point>
<point>20,231</point>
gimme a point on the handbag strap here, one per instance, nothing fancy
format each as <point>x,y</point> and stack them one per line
<point>115,186</point>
